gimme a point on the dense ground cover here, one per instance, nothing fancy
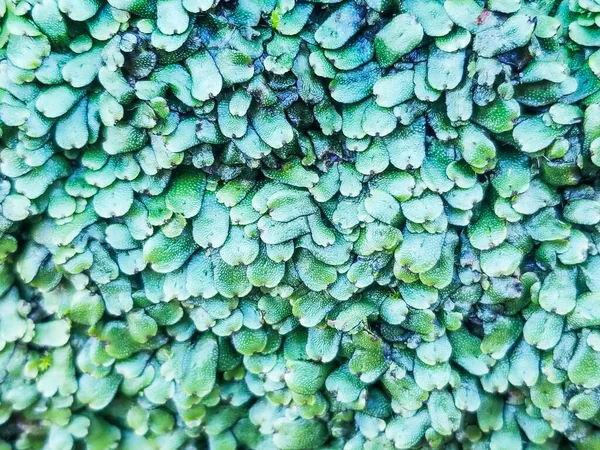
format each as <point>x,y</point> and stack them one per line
<point>293,224</point>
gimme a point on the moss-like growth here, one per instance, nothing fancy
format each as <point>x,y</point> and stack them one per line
<point>299,224</point>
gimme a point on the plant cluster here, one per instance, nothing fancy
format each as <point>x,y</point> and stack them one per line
<point>286,224</point>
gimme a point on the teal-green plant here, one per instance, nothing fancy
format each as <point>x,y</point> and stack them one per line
<point>299,224</point>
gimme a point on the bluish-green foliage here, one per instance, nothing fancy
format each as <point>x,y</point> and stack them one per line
<point>299,224</point>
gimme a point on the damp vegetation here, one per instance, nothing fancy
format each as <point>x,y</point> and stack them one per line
<point>299,224</point>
